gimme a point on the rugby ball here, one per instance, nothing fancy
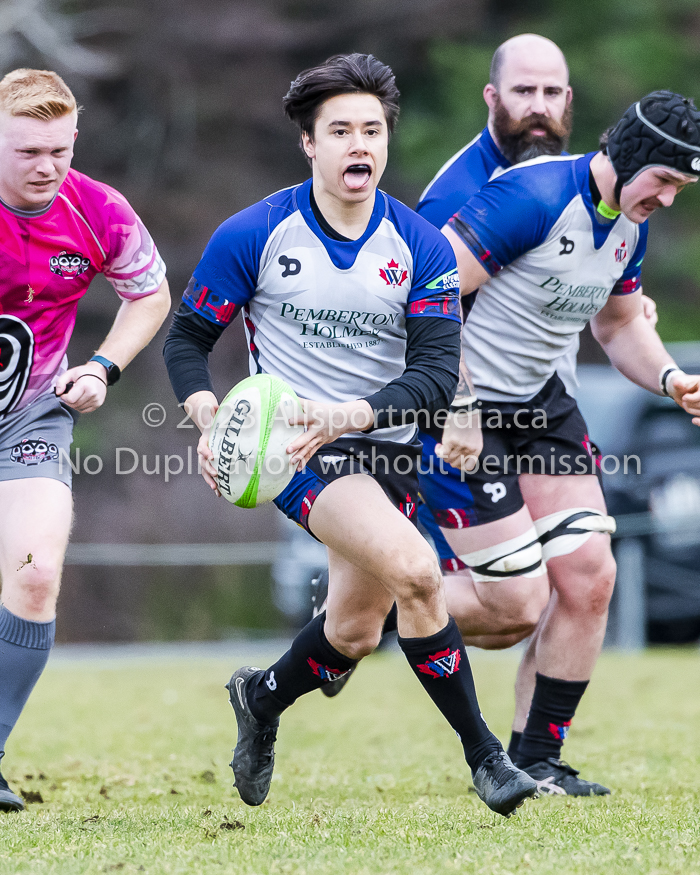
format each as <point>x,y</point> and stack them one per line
<point>249,438</point>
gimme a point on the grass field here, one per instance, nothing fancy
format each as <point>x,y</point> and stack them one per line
<point>127,762</point>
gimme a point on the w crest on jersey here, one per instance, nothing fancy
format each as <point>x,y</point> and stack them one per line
<point>69,264</point>
<point>621,252</point>
<point>393,274</point>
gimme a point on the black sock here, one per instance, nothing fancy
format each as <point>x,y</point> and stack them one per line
<point>308,664</point>
<point>513,744</point>
<point>553,707</point>
<point>440,663</point>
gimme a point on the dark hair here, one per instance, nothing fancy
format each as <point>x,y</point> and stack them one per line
<point>341,74</point>
<point>603,139</point>
<point>496,66</point>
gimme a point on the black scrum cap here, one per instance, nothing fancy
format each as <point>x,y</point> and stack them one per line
<point>662,129</point>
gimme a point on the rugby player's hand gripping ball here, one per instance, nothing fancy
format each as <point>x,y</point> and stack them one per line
<point>249,438</point>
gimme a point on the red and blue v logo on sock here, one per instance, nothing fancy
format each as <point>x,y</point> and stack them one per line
<point>325,672</point>
<point>441,664</point>
<point>560,731</point>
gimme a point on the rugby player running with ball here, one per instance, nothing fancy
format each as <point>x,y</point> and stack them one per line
<point>352,299</point>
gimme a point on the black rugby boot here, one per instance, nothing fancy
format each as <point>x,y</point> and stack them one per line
<point>558,778</point>
<point>501,785</point>
<point>9,801</point>
<point>254,756</point>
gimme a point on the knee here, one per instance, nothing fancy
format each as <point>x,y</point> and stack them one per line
<point>356,637</point>
<point>34,586</point>
<point>589,588</point>
<point>416,578</point>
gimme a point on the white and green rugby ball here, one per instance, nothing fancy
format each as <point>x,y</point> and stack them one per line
<point>249,438</point>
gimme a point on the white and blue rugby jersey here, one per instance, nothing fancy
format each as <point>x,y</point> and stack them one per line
<point>457,180</point>
<point>327,316</point>
<point>553,264</point>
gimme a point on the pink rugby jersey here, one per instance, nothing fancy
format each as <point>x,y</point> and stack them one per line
<point>47,261</point>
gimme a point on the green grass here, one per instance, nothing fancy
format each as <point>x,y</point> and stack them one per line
<point>130,759</point>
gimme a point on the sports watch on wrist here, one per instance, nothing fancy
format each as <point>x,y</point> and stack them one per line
<point>113,371</point>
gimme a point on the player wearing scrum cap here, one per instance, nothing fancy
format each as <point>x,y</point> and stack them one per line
<point>352,299</point>
<point>552,245</point>
<point>58,228</point>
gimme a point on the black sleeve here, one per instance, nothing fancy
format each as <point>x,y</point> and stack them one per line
<point>186,351</point>
<point>430,379</point>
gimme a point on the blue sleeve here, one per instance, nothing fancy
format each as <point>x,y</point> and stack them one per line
<point>462,176</point>
<point>435,287</point>
<point>514,213</point>
<point>631,279</point>
<point>227,275</point>
<point>439,210</point>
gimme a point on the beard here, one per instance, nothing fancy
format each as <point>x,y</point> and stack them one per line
<point>517,141</point>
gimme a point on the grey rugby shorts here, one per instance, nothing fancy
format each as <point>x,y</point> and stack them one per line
<point>35,441</point>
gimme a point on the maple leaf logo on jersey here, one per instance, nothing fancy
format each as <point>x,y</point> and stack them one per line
<point>393,274</point>
<point>441,664</point>
<point>69,264</point>
<point>621,253</point>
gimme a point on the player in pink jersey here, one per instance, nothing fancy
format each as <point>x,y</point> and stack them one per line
<point>58,228</point>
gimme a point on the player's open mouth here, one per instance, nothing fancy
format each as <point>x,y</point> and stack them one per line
<point>356,176</point>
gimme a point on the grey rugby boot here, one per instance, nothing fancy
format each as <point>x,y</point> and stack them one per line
<point>254,755</point>
<point>501,785</point>
<point>319,597</point>
<point>9,801</point>
<point>558,778</point>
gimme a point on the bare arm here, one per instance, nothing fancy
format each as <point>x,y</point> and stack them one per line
<point>633,346</point>
<point>462,440</point>
<point>134,327</point>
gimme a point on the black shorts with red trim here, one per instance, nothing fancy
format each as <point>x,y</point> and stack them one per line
<point>394,466</point>
<point>545,435</point>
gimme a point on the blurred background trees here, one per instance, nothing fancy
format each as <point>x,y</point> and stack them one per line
<point>183,115</point>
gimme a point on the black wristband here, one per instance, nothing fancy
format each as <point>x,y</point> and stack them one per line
<point>664,376</point>
<point>113,371</point>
